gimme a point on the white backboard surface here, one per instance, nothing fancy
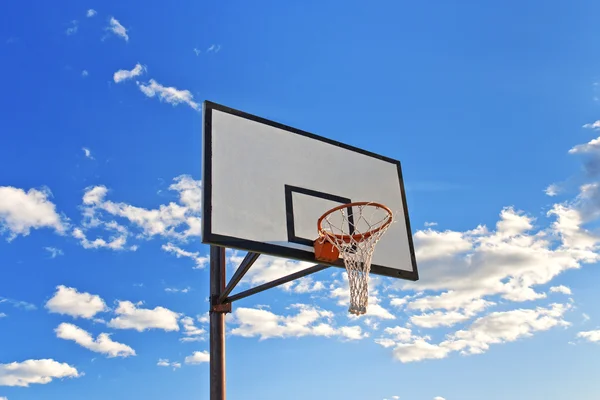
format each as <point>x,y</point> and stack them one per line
<point>266,184</point>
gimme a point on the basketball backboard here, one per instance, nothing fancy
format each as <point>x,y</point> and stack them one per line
<point>266,184</point>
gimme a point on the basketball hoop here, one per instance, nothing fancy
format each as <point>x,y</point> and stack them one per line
<point>352,231</point>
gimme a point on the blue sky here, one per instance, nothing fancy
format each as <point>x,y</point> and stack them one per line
<point>491,109</point>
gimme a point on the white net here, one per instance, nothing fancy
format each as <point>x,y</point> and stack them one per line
<point>355,231</point>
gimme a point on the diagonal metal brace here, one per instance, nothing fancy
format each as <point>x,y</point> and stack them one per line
<point>245,265</point>
<point>276,282</point>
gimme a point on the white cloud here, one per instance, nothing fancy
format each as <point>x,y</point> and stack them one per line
<point>35,372</point>
<point>447,317</point>
<point>22,211</point>
<point>73,28</point>
<point>466,267</point>
<point>200,261</point>
<point>560,289</point>
<point>214,48</point>
<point>168,94</point>
<point>432,244</point>
<point>54,252</point>
<point>594,125</point>
<point>123,74</point>
<point>94,195</point>
<point>495,328</point>
<point>439,398</point>
<point>419,350</point>
<point>84,73</point>
<point>90,13</point>
<point>198,357</point>
<point>197,51</point>
<point>18,304</point>
<point>116,242</point>
<point>175,290</point>
<point>192,332</point>
<point>591,146</point>
<point>552,190</point>
<point>141,319</point>
<point>87,152</point>
<point>304,285</point>
<point>179,221</point>
<point>2,315</point>
<point>585,317</point>
<point>3,398</point>
<point>103,344</point>
<point>309,321</point>
<point>590,336</point>
<point>164,362</point>
<point>429,224</point>
<point>507,326</point>
<point>68,301</point>
<point>204,318</point>
<point>438,318</point>
<point>190,192</point>
<point>400,302</point>
<point>115,27</point>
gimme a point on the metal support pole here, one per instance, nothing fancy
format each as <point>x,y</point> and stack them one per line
<point>217,324</point>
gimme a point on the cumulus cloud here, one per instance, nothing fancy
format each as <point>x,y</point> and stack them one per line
<point>22,211</point>
<point>18,304</point>
<point>90,13</point>
<point>304,285</point>
<point>200,261</point>
<point>465,269</point>
<point>198,357</point>
<point>116,28</point>
<point>123,74</point>
<point>35,372</point>
<point>68,301</point>
<point>190,331</point>
<point>308,321</point>
<point>168,94</point>
<point>560,289</point>
<point>593,125</point>
<point>494,328</point>
<point>552,190</point>
<point>103,344</point>
<point>115,242</point>
<point>590,336</point>
<point>130,316</point>
<point>54,252</point>
<point>87,152</point>
<point>73,28</point>
<point>164,362</point>
<point>180,221</point>
<point>175,290</point>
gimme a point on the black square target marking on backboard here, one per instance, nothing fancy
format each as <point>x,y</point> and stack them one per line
<point>293,237</point>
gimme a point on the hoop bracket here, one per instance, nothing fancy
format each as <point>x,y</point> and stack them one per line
<point>215,306</point>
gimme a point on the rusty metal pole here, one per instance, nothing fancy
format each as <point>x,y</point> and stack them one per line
<point>217,324</point>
